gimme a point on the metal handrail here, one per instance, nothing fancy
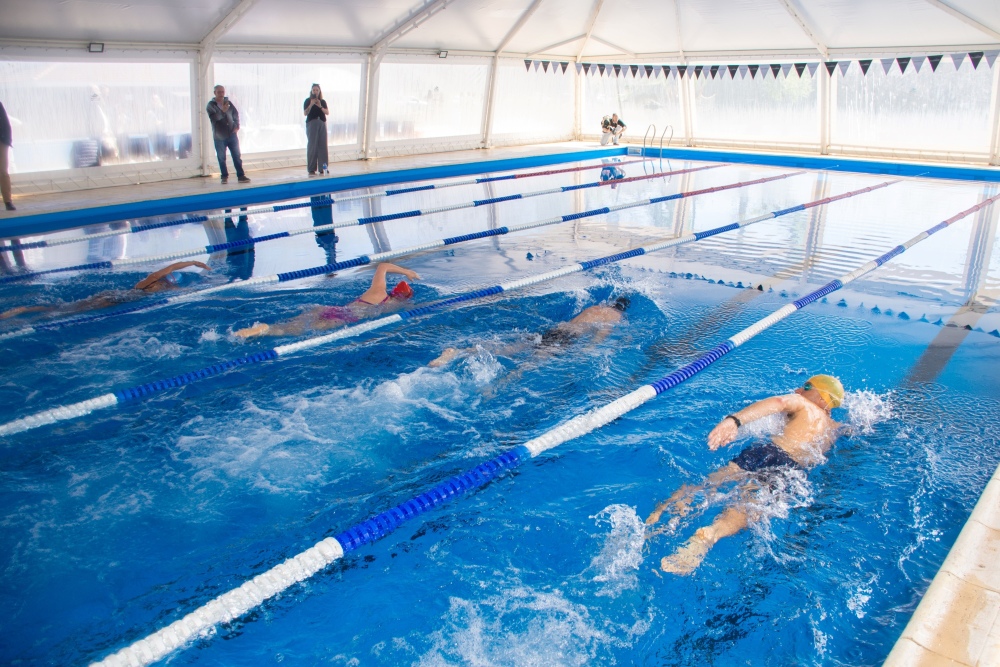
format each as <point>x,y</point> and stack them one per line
<point>653,128</point>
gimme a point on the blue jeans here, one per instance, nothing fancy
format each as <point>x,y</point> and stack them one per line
<point>233,144</point>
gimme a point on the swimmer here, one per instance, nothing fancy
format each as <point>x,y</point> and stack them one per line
<point>807,434</point>
<point>595,320</point>
<point>168,278</point>
<point>374,301</point>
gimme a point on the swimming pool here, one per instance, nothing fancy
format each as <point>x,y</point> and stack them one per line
<point>123,521</point>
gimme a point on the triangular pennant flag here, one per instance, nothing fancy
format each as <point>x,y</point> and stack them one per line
<point>844,66</point>
<point>918,62</point>
<point>732,70</point>
<point>579,67</point>
<point>536,64</point>
<point>975,57</point>
<point>657,70</point>
<point>649,70</point>
<point>633,69</point>
<point>933,62</point>
<point>600,68</point>
<point>887,64</point>
<point>563,66</point>
<point>831,65</point>
<point>681,69</point>
<point>545,65</point>
<point>800,68</point>
<point>786,68</point>
<point>774,70</point>
<point>743,71</point>
<point>957,58</point>
<point>991,57</point>
<point>618,70</point>
<point>902,62</point>
<point>753,71</point>
<point>864,64</point>
<point>714,70</point>
<point>812,67</point>
<point>697,71</point>
<point>527,65</point>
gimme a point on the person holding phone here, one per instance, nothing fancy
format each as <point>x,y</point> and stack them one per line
<point>225,126</point>
<point>315,111</point>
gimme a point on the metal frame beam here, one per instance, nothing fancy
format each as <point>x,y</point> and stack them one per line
<point>808,29</point>
<point>591,22</point>
<point>531,55</point>
<point>965,18</point>
<point>613,46</point>
<point>684,82</point>
<point>491,86</point>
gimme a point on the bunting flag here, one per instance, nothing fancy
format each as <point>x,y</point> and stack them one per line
<point>743,71</point>
<point>918,62</point>
<point>812,67</point>
<point>844,66</point>
<point>545,65</point>
<point>600,68</point>
<point>865,64</point>
<point>800,68</point>
<point>902,62</point>
<point>933,61</point>
<point>527,65</point>
<point>714,70</point>
<point>753,71</point>
<point>657,71</point>
<point>831,66</point>
<point>732,70</point>
<point>618,70</point>
<point>681,69</point>
<point>537,64</point>
<point>786,68</point>
<point>633,69</point>
<point>774,70</point>
<point>698,70</point>
<point>579,68</point>
<point>887,64</point>
<point>649,70</point>
<point>991,57</point>
<point>564,66</point>
<point>957,58</point>
<point>975,57</point>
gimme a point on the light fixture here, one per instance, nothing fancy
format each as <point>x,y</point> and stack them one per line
<point>96,47</point>
<point>443,54</point>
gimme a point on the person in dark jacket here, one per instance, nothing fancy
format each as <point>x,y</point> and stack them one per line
<point>225,126</point>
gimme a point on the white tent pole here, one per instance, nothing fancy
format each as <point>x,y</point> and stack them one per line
<point>995,117</point>
<point>965,18</point>
<point>369,108</point>
<point>682,81</point>
<point>825,84</point>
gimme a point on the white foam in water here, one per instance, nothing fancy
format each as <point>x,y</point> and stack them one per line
<point>210,336</point>
<point>133,345</point>
<point>781,494</point>
<point>521,626</point>
<point>621,555</point>
<point>865,409</point>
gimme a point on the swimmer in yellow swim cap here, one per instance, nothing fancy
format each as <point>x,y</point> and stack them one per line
<point>801,444</point>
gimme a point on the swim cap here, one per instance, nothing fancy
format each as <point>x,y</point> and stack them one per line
<point>829,388</point>
<point>401,290</point>
<point>622,303</point>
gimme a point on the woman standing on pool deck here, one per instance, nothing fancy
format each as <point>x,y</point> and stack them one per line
<point>315,109</point>
<point>374,301</point>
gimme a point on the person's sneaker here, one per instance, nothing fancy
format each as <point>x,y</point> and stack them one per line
<point>10,205</point>
<point>243,179</point>
<point>225,179</point>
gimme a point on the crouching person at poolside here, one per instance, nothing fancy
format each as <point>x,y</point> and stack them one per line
<point>806,436</point>
<point>373,302</point>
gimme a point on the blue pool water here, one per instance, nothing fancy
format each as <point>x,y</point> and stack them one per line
<point>118,523</point>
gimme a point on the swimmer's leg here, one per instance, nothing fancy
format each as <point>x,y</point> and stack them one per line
<point>679,503</point>
<point>689,556</point>
<point>21,310</point>
<point>449,355</point>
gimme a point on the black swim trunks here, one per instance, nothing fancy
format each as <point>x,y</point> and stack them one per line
<point>557,337</point>
<point>765,456</point>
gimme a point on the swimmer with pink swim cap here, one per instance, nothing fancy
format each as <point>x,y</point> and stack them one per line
<point>376,300</point>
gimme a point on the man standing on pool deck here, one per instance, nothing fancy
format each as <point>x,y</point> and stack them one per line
<point>225,125</point>
<point>806,436</point>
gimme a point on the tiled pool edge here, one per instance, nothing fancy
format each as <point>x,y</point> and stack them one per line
<point>958,620</point>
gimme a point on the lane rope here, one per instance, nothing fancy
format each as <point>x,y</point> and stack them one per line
<point>324,200</point>
<point>148,389</point>
<point>237,602</point>
<point>379,257</point>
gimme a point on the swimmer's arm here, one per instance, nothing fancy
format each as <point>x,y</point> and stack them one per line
<point>725,431</point>
<point>176,266</point>
<point>377,293</point>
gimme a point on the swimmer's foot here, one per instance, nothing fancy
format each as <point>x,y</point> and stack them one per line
<point>448,355</point>
<point>256,330</point>
<point>686,560</point>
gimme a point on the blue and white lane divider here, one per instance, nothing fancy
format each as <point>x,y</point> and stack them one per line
<point>81,409</point>
<point>313,203</point>
<point>237,602</point>
<point>372,259</point>
<point>252,240</point>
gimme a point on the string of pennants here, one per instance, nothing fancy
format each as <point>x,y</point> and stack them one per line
<point>785,69</point>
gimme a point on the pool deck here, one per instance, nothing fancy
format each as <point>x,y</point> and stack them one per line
<point>958,620</point>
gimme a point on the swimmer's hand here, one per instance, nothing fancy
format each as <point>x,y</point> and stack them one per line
<point>412,275</point>
<point>723,434</point>
<point>256,330</point>
<point>446,356</point>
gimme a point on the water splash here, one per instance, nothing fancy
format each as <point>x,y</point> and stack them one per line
<point>621,555</point>
<point>865,409</point>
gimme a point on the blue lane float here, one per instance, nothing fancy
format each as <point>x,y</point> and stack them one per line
<point>394,254</point>
<point>256,591</point>
<point>316,202</point>
<point>370,220</point>
<point>148,389</point>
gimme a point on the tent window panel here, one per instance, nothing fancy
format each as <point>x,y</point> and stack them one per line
<point>638,102</point>
<point>533,104</point>
<point>763,109</point>
<point>425,101</point>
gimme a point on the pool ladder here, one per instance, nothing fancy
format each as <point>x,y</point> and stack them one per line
<point>652,128</point>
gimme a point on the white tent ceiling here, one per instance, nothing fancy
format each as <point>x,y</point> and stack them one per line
<point>563,29</point>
